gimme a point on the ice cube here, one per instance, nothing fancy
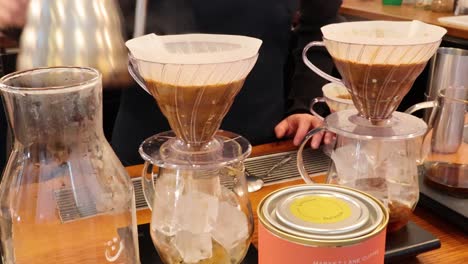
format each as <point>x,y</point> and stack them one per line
<point>231,226</point>
<point>168,189</point>
<point>205,181</point>
<point>230,196</point>
<point>349,162</point>
<point>193,247</point>
<point>197,212</point>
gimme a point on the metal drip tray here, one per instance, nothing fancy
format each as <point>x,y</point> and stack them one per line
<point>315,162</point>
<point>67,207</point>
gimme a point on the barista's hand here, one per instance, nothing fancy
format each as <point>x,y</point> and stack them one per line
<point>13,13</point>
<point>298,125</point>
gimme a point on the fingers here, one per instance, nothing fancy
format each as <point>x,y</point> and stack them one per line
<point>329,137</point>
<point>299,125</point>
<point>316,139</point>
<point>315,121</point>
<point>303,125</point>
<point>281,129</point>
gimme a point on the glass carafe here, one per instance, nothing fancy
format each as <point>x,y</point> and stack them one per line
<point>201,211</point>
<point>445,144</point>
<point>382,161</point>
<point>65,197</point>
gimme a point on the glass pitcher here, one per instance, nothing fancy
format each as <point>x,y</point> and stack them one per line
<point>65,197</point>
<point>201,211</point>
<point>379,160</point>
<point>445,144</point>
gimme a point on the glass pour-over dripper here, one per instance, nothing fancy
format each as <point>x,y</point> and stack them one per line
<point>200,209</point>
<point>194,78</point>
<point>378,61</point>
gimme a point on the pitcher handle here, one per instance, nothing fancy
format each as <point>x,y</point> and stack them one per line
<point>300,162</point>
<point>419,106</point>
<point>314,101</point>
<point>147,183</point>
<point>136,76</point>
<point>313,67</point>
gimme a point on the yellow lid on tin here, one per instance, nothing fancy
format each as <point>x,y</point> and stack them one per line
<point>320,209</point>
<point>325,212</point>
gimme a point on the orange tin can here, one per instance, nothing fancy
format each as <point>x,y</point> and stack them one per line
<point>321,224</point>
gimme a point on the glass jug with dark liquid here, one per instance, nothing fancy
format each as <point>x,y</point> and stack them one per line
<point>445,144</point>
<point>193,178</point>
<point>377,150</point>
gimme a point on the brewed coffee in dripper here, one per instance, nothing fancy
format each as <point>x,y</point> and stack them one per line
<point>194,78</point>
<point>379,61</point>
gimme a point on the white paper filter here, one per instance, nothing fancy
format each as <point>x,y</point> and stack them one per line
<point>194,59</point>
<point>383,42</point>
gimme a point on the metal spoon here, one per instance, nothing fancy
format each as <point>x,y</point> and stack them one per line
<point>255,182</point>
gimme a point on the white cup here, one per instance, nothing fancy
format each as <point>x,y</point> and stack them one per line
<point>336,96</point>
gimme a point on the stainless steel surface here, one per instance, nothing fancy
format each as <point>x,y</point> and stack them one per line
<point>314,160</point>
<point>420,106</point>
<point>75,33</point>
<point>448,121</point>
<point>255,182</point>
<point>140,18</point>
<point>448,68</point>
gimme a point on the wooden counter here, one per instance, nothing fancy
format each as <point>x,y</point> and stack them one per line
<point>375,10</point>
<point>454,242</point>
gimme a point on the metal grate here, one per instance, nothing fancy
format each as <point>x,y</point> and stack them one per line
<point>68,209</point>
<point>139,196</point>
<point>315,162</point>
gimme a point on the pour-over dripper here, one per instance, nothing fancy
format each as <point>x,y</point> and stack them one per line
<point>194,78</point>
<point>201,213</point>
<point>378,61</point>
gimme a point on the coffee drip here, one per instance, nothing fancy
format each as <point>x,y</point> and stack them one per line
<point>377,90</point>
<point>194,112</point>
